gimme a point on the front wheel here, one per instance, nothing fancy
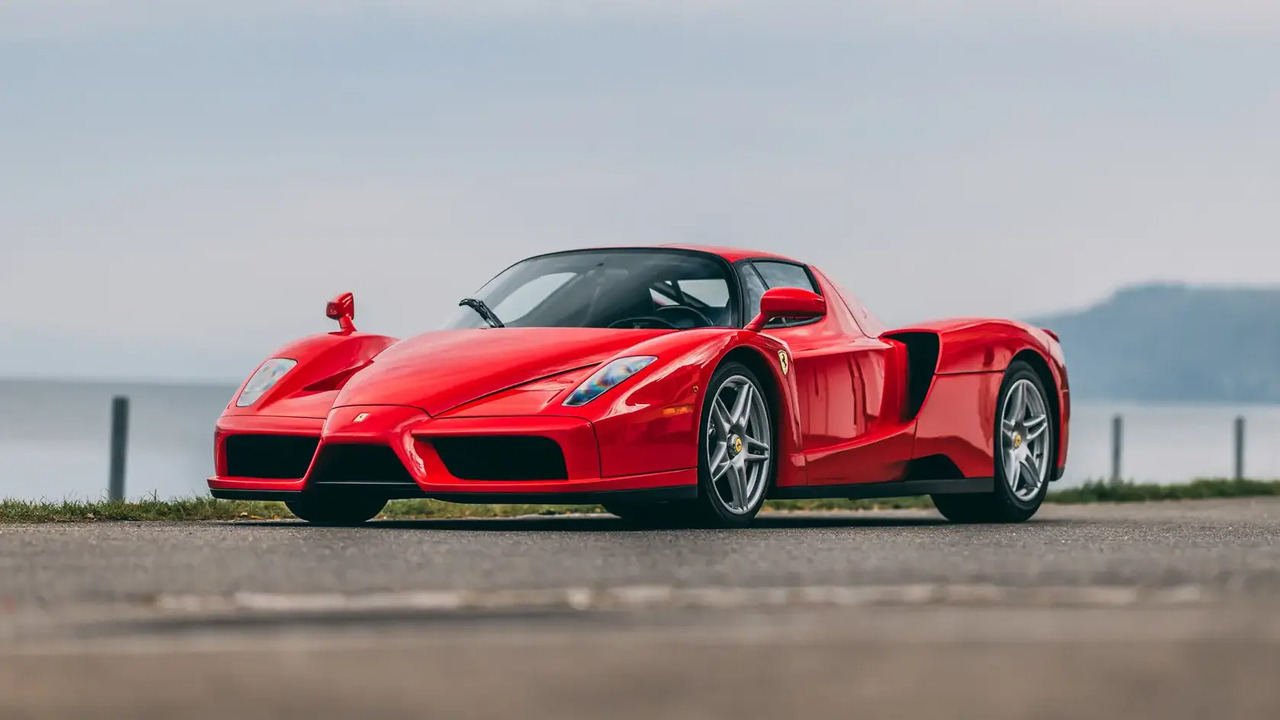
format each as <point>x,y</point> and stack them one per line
<point>1024,454</point>
<point>735,449</point>
<point>336,509</point>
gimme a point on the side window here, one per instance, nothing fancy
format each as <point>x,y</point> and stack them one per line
<point>776,275</point>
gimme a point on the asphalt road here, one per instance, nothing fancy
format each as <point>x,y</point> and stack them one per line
<point>1162,610</point>
<point>1229,547</point>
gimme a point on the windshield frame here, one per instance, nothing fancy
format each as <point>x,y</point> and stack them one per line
<point>736,301</point>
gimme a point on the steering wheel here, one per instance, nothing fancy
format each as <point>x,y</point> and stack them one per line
<point>703,320</point>
<point>635,322</point>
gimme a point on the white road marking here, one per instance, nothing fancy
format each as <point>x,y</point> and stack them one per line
<point>657,596</point>
<point>934,625</point>
<point>918,613</point>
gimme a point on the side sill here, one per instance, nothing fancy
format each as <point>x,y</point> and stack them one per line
<point>902,488</point>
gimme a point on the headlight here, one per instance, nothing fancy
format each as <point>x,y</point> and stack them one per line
<point>606,377</point>
<point>264,379</point>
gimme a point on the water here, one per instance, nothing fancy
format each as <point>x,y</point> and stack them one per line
<point>54,439</point>
<point>1173,443</point>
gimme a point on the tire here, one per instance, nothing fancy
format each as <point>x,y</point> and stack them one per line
<point>1032,436</point>
<point>336,508</point>
<point>741,445</point>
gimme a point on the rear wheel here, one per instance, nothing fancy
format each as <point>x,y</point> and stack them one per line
<point>1024,454</point>
<point>336,508</point>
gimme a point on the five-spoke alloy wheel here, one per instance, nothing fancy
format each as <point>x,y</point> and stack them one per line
<point>1024,440</point>
<point>735,458</point>
<point>736,441</point>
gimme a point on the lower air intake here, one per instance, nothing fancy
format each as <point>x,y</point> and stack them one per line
<point>501,457</point>
<point>269,457</point>
<point>360,465</point>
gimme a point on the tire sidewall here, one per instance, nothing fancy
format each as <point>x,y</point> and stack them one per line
<point>709,499</point>
<point>1016,372</point>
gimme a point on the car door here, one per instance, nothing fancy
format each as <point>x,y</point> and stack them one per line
<point>848,403</point>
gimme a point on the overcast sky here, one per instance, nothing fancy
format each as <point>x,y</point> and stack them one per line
<point>207,174</point>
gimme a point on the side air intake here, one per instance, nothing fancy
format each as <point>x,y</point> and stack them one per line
<point>922,364</point>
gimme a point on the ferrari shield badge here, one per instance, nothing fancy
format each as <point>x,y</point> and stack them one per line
<point>784,361</point>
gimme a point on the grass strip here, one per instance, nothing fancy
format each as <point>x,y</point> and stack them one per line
<point>1118,492</point>
<point>203,509</point>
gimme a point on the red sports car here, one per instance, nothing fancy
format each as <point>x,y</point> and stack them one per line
<point>681,385</point>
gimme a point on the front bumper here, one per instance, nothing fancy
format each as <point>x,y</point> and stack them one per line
<point>414,437</point>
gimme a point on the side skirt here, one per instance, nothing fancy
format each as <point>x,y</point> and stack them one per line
<point>902,488</point>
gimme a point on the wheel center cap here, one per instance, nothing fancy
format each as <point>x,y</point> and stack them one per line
<point>736,444</point>
<point>1017,440</point>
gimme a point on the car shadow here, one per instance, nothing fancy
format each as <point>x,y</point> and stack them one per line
<point>609,523</point>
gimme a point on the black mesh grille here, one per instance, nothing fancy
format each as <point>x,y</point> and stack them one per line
<point>502,457</point>
<point>360,465</point>
<point>273,457</point>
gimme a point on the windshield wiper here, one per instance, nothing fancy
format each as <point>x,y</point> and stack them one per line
<point>483,310</point>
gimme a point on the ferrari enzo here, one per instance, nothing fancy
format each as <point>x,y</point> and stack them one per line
<point>673,385</point>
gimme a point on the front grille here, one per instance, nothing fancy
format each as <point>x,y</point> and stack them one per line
<point>270,457</point>
<point>501,457</point>
<point>342,464</point>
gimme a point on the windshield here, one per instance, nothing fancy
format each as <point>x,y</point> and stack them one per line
<point>610,289</point>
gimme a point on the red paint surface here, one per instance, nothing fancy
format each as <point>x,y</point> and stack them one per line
<point>958,420</point>
<point>842,413</point>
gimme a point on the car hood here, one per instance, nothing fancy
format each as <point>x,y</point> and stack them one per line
<point>441,370</point>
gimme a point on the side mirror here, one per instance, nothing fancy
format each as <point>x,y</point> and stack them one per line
<point>788,303</point>
<point>343,309</point>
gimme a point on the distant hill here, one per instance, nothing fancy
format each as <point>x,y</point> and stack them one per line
<point>1171,342</point>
